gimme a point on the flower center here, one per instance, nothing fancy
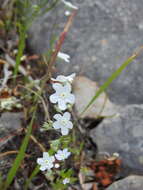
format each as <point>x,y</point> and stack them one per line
<point>64,122</point>
<point>47,161</point>
<point>63,95</point>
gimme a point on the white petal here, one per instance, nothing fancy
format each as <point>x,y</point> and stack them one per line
<point>45,155</point>
<point>49,166</point>
<point>66,153</point>
<point>57,116</point>
<point>62,105</point>
<point>71,77</point>
<point>64,56</point>
<point>70,125</point>
<point>61,78</point>
<point>64,131</point>
<point>67,115</point>
<point>67,88</point>
<point>69,4</point>
<point>58,156</point>
<point>43,168</point>
<point>71,99</point>
<point>56,125</point>
<point>40,161</point>
<point>53,98</point>
<point>59,152</point>
<point>52,158</point>
<point>56,86</point>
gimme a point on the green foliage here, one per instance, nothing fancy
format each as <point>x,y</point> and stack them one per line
<point>26,12</point>
<point>13,170</point>
<point>58,184</point>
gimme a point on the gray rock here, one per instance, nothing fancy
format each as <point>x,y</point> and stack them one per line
<point>104,34</point>
<point>9,124</point>
<point>102,107</point>
<point>123,134</point>
<point>129,183</point>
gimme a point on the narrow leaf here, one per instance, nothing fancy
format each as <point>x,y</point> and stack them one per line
<point>13,170</point>
<point>109,81</point>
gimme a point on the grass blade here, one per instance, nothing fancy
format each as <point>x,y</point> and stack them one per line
<point>110,80</point>
<point>12,172</point>
<point>20,49</point>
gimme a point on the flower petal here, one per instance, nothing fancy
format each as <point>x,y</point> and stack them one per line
<point>64,131</point>
<point>45,155</point>
<point>56,86</point>
<point>62,105</point>
<point>71,99</point>
<point>53,98</point>
<point>40,161</point>
<point>56,125</point>
<point>69,125</point>
<point>57,116</point>
<point>61,78</point>
<point>67,88</point>
<point>67,115</point>
<point>59,155</point>
<point>52,158</point>
<point>43,168</point>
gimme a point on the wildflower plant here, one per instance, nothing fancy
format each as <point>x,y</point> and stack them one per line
<point>52,161</point>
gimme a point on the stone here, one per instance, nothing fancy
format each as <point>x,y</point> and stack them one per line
<point>84,90</point>
<point>129,183</point>
<point>123,134</point>
<point>104,34</point>
<point>10,123</point>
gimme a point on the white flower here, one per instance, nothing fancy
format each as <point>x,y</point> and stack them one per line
<point>67,13</point>
<point>62,96</point>
<point>66,180</point>
<point>64,56</point>
<point>62,154</point>
<point>63,122</point>
<point>46,162</point>
<point>64,79</point>
<point>69,4</point>
<point>57,165</point>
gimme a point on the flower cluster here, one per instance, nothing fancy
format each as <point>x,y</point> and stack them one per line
<point>63,98</point>
<point>47,162</point>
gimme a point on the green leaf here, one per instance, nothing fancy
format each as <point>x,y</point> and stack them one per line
<point>13,170</point>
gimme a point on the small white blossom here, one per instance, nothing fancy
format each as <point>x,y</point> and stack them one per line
<point>62,96</point>
<point>64,79</point>
<point>66,180</point>
<point>62,154</point>
<point>67,13</point>
<point>63,123</point>
<point>64,56</point>
<point>57,165</point>
<point>69,4</point>
<point>46,163</point>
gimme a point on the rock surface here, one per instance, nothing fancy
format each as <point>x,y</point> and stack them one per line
<point>84,90</point>
<point>123,134</point>
<point>9,123</point>
<point>129,183</point>
<point>104,34</point>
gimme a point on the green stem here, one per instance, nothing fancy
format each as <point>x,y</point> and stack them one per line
<point>21,47</point>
